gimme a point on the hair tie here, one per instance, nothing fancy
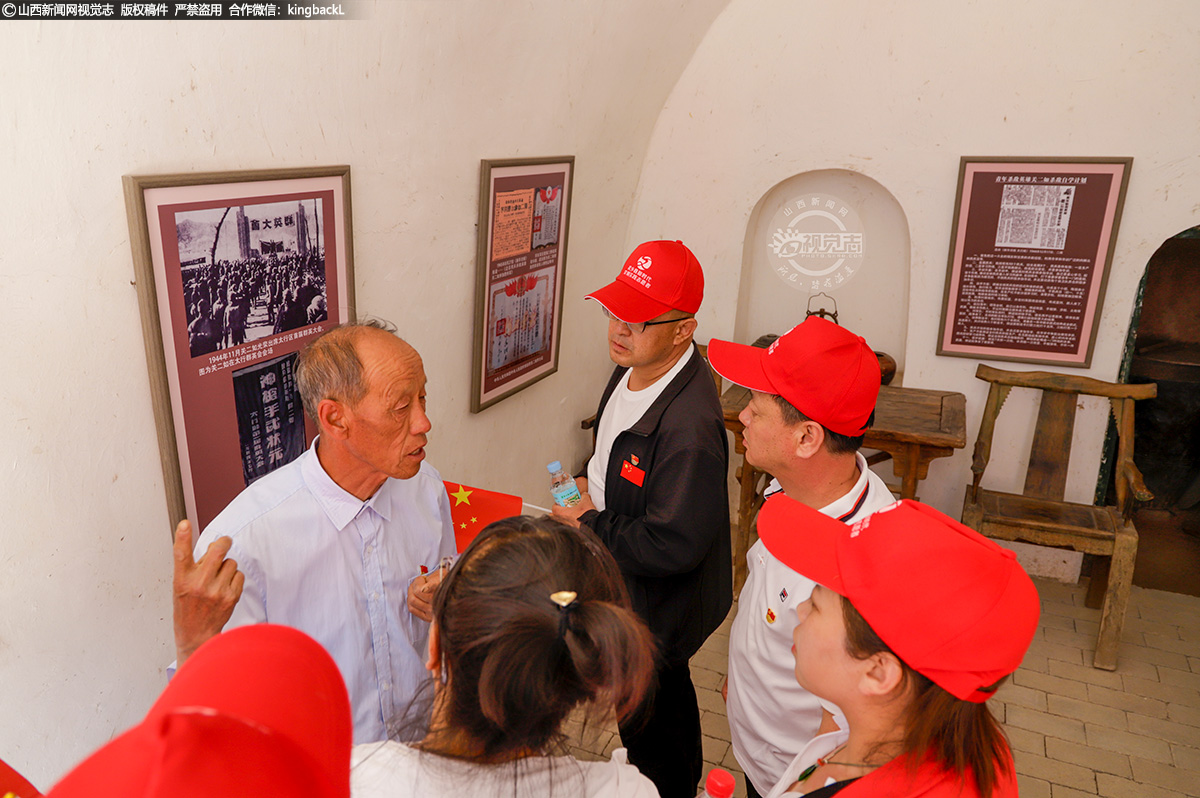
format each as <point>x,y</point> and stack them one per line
<point>566,600</point>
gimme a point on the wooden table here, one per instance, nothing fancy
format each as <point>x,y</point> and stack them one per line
<point>913,427</point>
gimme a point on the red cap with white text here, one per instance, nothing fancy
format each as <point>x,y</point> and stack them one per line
<point>658,276</point>
<point>949,602</point>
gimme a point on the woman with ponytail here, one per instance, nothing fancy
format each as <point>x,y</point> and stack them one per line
<point>532,622</point>
<point>915,621</point>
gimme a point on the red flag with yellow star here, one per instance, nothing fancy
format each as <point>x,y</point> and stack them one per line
<point>474,508</point>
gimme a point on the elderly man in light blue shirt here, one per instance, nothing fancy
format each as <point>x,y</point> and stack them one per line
<point>333,542</point>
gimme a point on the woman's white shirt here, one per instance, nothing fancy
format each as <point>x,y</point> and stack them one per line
<point>395,770</point>
<point>819,746</point>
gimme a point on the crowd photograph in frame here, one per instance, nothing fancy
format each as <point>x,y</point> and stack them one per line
<point>236,273</point>
<point>524,210</point>
<point>1030,250</point>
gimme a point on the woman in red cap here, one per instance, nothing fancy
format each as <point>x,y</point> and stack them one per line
<point>915,621</point>
<point>532,622</point>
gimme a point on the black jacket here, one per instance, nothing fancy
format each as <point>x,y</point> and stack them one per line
<point>670,536</point>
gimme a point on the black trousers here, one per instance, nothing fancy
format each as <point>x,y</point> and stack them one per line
<point>663,737</point>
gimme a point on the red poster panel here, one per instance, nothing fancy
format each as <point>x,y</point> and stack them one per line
<point>236,273</point>
<point>1031,245</point>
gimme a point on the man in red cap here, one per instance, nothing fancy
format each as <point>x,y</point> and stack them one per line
<point>655,492</point>
<point>813,395</point>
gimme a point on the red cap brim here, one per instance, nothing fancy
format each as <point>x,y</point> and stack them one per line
<point>740,364</point>
<point>965,629</point>
<point>803,539</point>
<point>627,303</point>
<point>197,753</point>
<point>251,671</point>
<point>270,692</point>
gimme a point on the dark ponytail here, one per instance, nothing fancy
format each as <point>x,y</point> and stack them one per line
<point>516,667</point>
<point>961,736</point>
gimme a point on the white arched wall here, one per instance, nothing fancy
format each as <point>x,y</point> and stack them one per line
<point>412,97</point>
<point>869,290</point>
<point>898,92</point>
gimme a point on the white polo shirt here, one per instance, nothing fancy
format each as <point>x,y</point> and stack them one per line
<point>771,717</point>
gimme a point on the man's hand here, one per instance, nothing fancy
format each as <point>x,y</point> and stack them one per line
<point>571,514</point>
<point>205,591</point>
<point>420,594</point>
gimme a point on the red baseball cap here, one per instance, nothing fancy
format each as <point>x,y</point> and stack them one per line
<point>658,276</point>
<point>825,371</point>
<point>949,602</point>
<point>259,710</point>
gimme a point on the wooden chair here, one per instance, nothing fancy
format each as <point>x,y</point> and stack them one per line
<point>1039,514</point>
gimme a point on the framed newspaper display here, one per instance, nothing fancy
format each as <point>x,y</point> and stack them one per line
<point>1030,250</point>
<point>524,214</point>
<point>236,272</point>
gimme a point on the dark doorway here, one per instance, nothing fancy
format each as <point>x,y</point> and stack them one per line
<point>1166,351</point>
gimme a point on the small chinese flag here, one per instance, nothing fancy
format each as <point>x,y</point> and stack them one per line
<point>13,783</point>
<point>632,473</point>
<point>474,508</point>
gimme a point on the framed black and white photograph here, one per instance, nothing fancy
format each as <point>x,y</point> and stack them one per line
<point>236,272</point>
<point>250,271</point>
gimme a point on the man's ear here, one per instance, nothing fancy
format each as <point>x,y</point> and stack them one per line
<point>808,438</point>
<point>882,675</point>
<point>332,418</point>
<point>685,331</point>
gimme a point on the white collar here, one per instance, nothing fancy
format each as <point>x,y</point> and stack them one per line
<point>340,506</point>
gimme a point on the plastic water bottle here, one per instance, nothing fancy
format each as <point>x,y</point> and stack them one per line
<point>719,784</point>
<point>562,486</point>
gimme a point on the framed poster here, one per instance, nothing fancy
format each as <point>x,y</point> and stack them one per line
<point>1030,250</point>
<point>236,272</point>
<point>524,209</point>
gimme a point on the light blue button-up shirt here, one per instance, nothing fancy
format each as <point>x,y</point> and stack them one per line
<point>338,568</point>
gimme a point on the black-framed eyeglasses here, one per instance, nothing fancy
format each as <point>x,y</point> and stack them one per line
<point>639,327</point>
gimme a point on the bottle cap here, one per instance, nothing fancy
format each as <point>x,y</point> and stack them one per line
<point>719,784</point>
<point>554,467</point>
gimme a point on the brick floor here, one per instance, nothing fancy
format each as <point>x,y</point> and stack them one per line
<point>1076,731</point>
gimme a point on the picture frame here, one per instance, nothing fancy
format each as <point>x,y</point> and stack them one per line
<point>524,221</point>
<point>1030,250</point>
<point>235,273</point>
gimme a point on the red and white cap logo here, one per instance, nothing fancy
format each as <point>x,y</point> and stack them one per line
<point>636,296</point>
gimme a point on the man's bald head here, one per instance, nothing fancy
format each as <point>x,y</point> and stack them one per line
<point>331,367</point>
